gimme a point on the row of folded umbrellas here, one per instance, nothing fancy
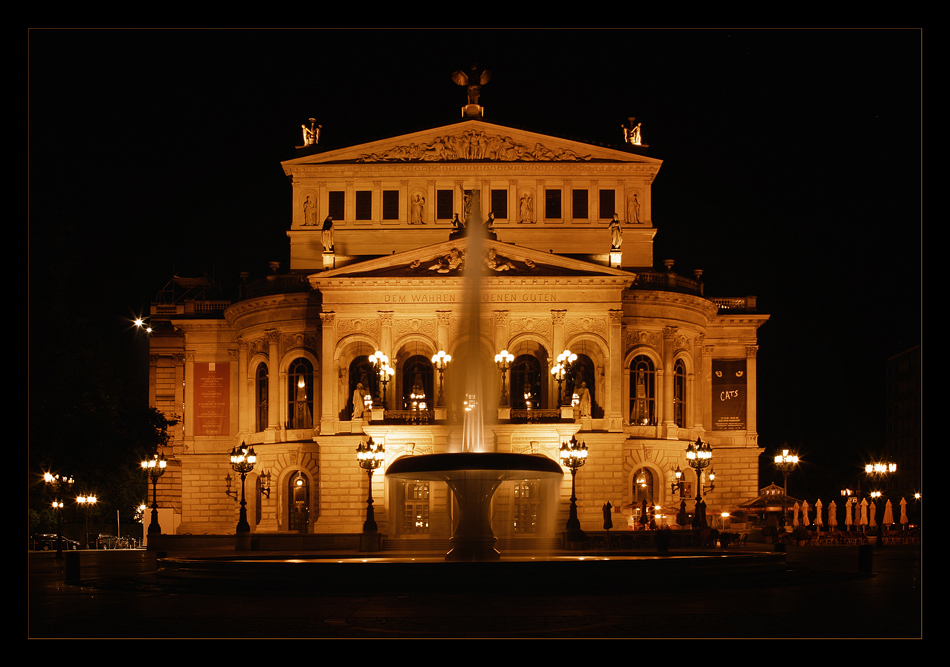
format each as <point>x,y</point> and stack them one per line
<point>855,513</point>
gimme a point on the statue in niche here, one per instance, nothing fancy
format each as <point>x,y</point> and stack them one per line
<point>472,81</point>
<point>309,212</point>
<point>359,394</point>
<point>583,400</point>
<point>616,233</point>
<point>418,210</point>
<point>526,209</point>
<point>328,234</point>
<point>633,210</point>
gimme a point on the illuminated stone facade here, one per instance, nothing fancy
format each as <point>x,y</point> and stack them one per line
<point>279,367</point>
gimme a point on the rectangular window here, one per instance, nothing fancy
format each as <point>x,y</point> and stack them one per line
<point>390,204</point>
<point>607,204</point>
<point>499,204</point>
<point>364,205</point>
<point>579,209</point>
<point>444,205</point>
<point>337,205</point>
<point>552,204</point>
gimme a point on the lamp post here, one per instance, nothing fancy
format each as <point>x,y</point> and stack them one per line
<point>243,459</point>
<point>503,360</point>
<point>154,468</point>
<point>383,371</point>
<point>57,484</point>
<point>677,486</point>
<point>573,455</point>
<point>562,371</point>
<point>440,361</point>
<point>785,463</point>
<point>699,456</point>
<point>370,456</point>
<point>86,502</point>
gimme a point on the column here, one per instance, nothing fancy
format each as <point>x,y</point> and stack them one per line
<point>386,347</point>
<point>665,418</point>
<point>274,407</point>
<point>329,410</point>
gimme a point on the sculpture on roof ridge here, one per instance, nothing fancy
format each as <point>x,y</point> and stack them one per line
<point>472,81</point>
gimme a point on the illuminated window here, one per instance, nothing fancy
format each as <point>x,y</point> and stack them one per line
<point>260,396</point>
<point>679,393</point>
<point>416,375</point>
<point>642,392</point>
<point>300,394</point>
<point>415,519</point>
<point>525,377</point>
<point>526,507</point>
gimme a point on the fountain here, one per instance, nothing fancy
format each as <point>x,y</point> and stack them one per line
<point>474,474</point>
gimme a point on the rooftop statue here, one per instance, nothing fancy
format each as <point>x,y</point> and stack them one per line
<point>473,81</point>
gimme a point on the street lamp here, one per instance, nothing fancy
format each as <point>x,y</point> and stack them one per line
<point>785,463</point>
<point>57,483</point>
<point>243,460</point>
<point>86,502</point>
<point>573,455</point>
<point>503,360</point>
<point>383,371</point>
<point>699,456</point>
<point>562,370</point>
<point>154,468</point>
<point>370,456</point>
<point>677,486</point>
<point>441,361</point>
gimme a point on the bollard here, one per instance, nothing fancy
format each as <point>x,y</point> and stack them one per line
<point>73,569</point>
<point>865,558</point>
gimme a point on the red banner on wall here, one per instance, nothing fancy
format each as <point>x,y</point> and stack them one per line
<point>212,398</point>
<point>729,394</point>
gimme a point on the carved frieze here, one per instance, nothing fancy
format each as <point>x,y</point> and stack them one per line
<point>426,325</point>
<point>633,337</point>
<point>578,325</point>
<point>473,145</point>
<point>368,326</point>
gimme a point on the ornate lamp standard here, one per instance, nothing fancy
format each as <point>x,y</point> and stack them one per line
<point>785,463</point>
<point>881,470</point>
<point>677,486</point>
<point>371,457</point>
<point>383,371</point>
<point>86,502</point>
<point>573,455</point>
<point>242,462</point>
<point>503,360</point>
<point>154,468</point>
<point>441,361</point>
<point>699,456</point>
<point>57,484</point>
<point>562,371</point>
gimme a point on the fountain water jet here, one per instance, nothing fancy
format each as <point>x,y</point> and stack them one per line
<point>474,474</point>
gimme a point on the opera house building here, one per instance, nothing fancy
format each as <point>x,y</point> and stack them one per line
<point>422,265</point>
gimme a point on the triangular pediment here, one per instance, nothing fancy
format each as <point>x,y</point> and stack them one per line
<point>471,141</point>
<point>452,258</point>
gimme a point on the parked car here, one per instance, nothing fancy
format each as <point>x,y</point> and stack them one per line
<point>47,542</point>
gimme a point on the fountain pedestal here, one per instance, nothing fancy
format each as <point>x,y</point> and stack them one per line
<point>474,477</point>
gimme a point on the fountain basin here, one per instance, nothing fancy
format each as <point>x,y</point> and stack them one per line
<point>474,477</point>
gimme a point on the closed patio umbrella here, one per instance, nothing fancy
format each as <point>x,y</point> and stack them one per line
<point>863,518</point>
<point>904,520</point>
<point>805,513</point>
<point>873,521</point>
<point>832,515</point>
<point>795,510</point>
<point>847,515</point>
<point>818,521</point>
<point>888,514</point>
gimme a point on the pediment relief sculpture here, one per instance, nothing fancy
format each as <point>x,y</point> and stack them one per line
<point>454,262</point>
<point>473,145</point>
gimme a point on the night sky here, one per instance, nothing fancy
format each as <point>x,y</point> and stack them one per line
<point>792,171</point>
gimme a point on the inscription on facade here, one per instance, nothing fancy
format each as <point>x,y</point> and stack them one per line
<point>448,297</point>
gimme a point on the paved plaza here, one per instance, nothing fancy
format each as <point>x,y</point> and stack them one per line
<point>823,592</point>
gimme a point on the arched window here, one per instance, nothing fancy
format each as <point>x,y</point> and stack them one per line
<point>525,377</point>
<point>679,393</point>
<point>583,373</point>
<point>642,391</point>
<point>643,487</point>
<point>300,394</point>
<point>416,375</point>
<point>260,396</point>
